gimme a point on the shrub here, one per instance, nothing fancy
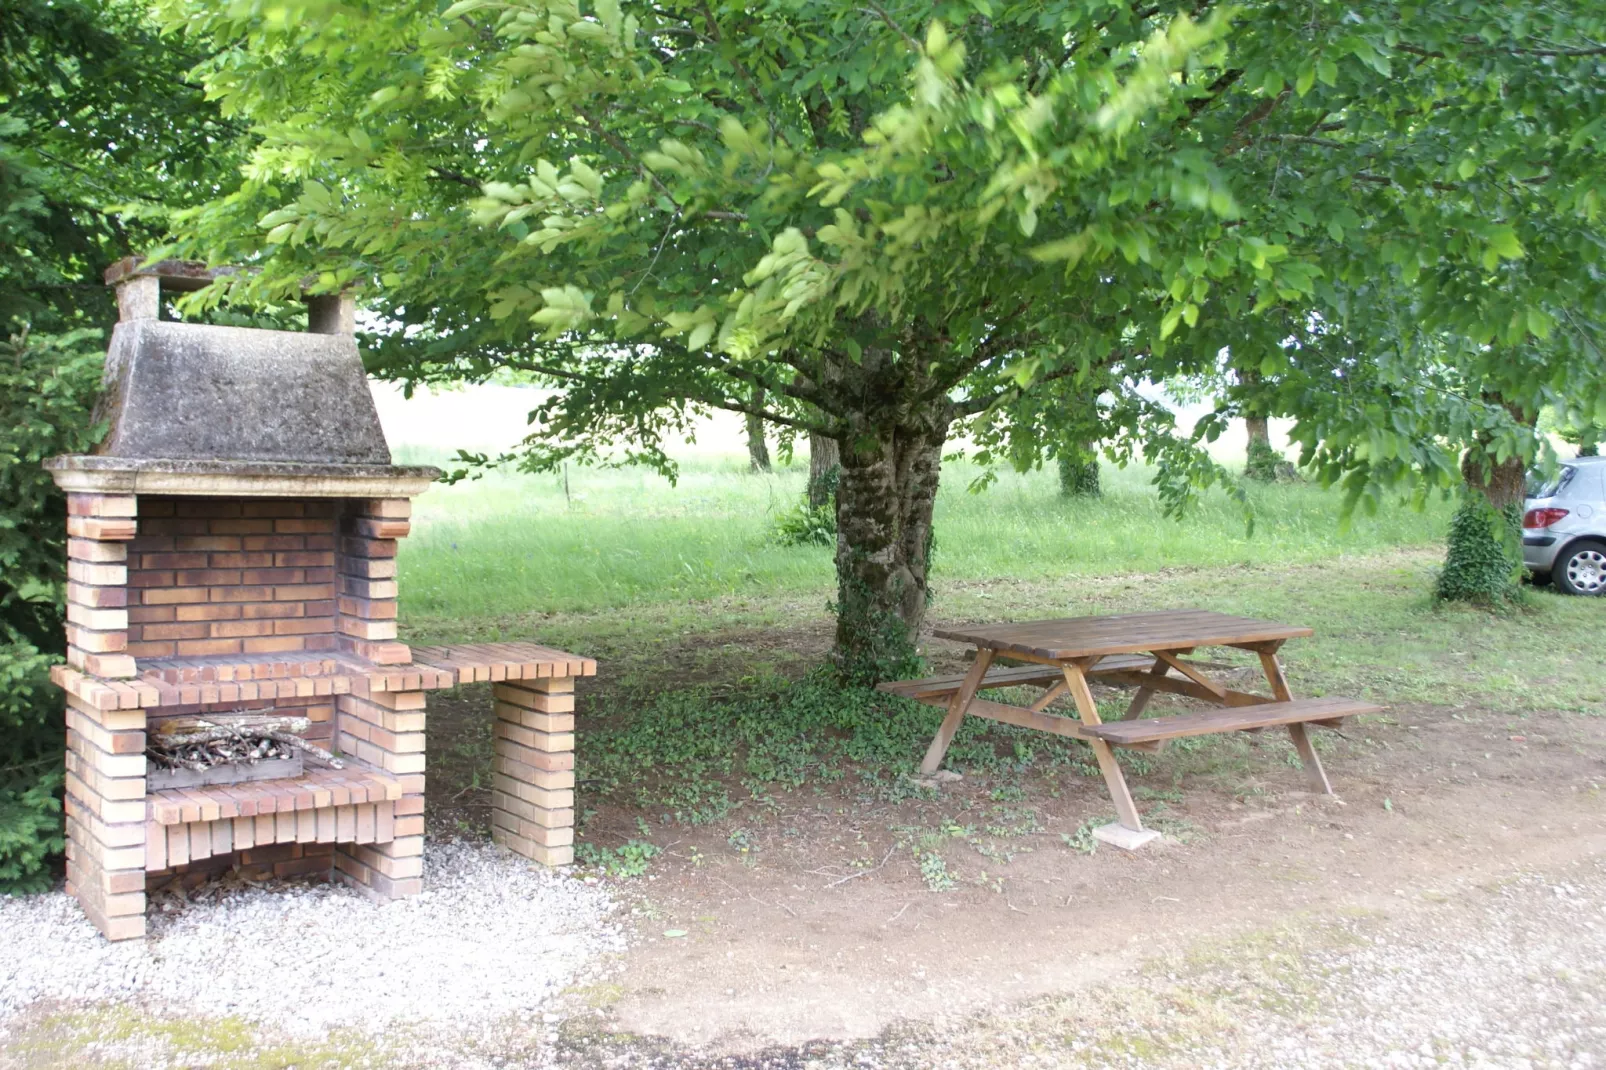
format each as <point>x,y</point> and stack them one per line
<point>812,522</point>
<point>47,386</point>
<point>803,525</point>
<point>1263,463</point>
<point>1484,562</point>
<point>1079,475</point>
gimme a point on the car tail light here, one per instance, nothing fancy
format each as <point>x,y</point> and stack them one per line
<point>1543,518</point>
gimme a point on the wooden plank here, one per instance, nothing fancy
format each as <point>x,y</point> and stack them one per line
<point>1060,640</point>
<point>1004,676</point>
<point>1022,717</point>
<point>1140,701</point>
<point>1192,673</point>
<point>1126,811</point>
<point>956,712</point>
<point>1314,773</point>
<point>178,844</point>
<point>1016,715</point>
<point>1273,669</point>
<point>1229,719</point>
<point>155,846</point>
<point>1173,686</point>
<point>1054,691</point>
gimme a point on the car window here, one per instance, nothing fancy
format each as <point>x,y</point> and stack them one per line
<point>1540,487</point>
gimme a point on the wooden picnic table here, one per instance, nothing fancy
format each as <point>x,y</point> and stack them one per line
<point>1137,650</point>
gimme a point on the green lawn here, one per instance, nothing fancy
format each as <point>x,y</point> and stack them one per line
<point>707,630</point>
<point>514,544</point>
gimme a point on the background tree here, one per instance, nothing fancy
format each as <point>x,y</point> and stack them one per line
<point>1458,292</point>
<point>99,136</point>
<point>1261,459</point>
<point>825,466</point>
<point>904,220</point>
<point>758,450</point>
<point>1078,450</point>
<point>796,197</point>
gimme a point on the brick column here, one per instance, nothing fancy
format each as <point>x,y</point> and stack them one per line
<point>99,528</point>
<point>532,796</point>
<point>367,581</point>
<point>105,809</point>
<point>385,730</point>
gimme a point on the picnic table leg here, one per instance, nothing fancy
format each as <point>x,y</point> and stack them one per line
<point>1140,701</point>
<point>1314,773</point>
<point>956,711</point>
<point>1313,765</point>
<point>1128,832</point>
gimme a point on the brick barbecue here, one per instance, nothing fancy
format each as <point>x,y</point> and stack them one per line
<point>232,552</point>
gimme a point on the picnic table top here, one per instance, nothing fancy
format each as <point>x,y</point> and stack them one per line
<point>1122,633</point>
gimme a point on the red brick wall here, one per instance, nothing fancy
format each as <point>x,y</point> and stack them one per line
<point>211,576</point>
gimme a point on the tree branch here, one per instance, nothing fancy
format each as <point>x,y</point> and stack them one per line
<point>625,151</point>
<point>1540,53</point>
<point>454,176</point>
<point>973,406</point>
<point>556,373</point>
<point>763,413</point>
<point>881,12</point>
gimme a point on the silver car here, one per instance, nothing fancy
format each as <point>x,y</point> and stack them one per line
<point>1564,527</point>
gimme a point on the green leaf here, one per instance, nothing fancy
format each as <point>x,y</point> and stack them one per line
<point>700,335</point>
<point>1070,249</point>
<point>1503,241</point>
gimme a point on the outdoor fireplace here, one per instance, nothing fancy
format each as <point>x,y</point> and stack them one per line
<point>236,692</point>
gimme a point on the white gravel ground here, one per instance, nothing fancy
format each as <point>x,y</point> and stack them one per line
<point>490,936</point>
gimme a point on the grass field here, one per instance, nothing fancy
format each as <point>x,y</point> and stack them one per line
<point>708,628</point>
<point>513,544</point>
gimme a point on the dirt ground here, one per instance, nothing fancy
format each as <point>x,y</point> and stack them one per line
<point>779,951</point>
<point>817,922</point>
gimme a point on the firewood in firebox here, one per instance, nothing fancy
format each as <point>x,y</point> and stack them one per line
<point>202,742</point>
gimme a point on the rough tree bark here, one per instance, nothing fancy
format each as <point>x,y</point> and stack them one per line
<point>885,496</point>
<point>758,451</point>
<point>1259,429</point>
<point>825,457</point>
<point>894,418</point>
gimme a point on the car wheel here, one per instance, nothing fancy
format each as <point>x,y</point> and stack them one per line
<point>1582,569</point>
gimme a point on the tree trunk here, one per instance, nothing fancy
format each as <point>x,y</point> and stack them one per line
<point>1261,460</point>
<point>1259,429</point>
<point>1483,561</point>
<point>825,463</point>
<point>1079,474</point>
<point>758,451</point>
<point>884,502</point>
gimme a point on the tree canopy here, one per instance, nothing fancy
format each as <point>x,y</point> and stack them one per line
<point>906,220</point>
<point>99,136</point>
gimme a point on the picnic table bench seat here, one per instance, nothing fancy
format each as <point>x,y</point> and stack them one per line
<point>1328,712</point>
